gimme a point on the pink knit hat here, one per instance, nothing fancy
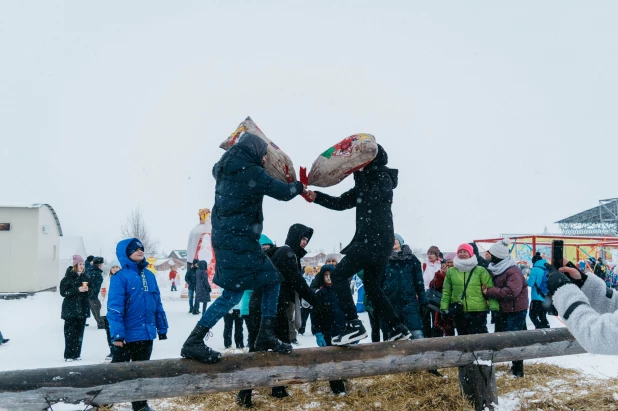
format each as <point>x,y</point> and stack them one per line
<point>466,247</point>
<point>77,259</point>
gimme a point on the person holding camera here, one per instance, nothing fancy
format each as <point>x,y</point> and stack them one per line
<point>462,295</point>
<point>588,307</point>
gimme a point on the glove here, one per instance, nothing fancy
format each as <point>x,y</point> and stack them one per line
<point>319,339</point>
<point>555,279</point>
<point>162,337</point>
<point>304,177</point>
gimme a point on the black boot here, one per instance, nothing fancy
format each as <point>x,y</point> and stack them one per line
<point>243,398</point>
<point>266,339</point>
<point>518,369</point>
<point>354,331</point>
<point>280,392</point>
<point>399,332</point>
<point>194,348</point>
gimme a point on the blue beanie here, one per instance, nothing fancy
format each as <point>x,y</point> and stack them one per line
<point>264,240</point>
<point>133,246</point>
<point>400,238</point>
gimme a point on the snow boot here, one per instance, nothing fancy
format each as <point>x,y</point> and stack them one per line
<point>354,331</point>
<point>6,340</point>
<point>243,398</point>
<point>280,392</point>
<point>399,332</point>
<point>194,348</point>
<point>518,369</point>
<point>266,339</point>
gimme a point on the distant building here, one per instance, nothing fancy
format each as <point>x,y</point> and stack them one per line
<point>29,248</point>
<point>313,259</point>
<point>178,255</point>
<point>166,264</point>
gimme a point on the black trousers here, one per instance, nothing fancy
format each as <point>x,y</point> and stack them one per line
<point>253,327</point>
<point>73,337</point>
<point>304,315</point>
<point>538,315</point>
<point>374,321</point>
<point>133,351</point>
<point>471,323</point>
<point>95,308</point>
<point>373,273</point>
<point>233,320</point>
<point>110,343</point>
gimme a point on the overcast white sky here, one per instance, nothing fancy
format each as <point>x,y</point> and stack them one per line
<point>489,110</point>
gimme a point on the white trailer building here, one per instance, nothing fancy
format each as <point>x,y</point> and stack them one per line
<point>29,248</point>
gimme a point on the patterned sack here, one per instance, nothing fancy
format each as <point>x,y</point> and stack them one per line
<point>278,164</point>
<point>343,159</point>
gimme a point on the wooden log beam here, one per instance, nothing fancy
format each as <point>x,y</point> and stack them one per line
<point>123,382</point>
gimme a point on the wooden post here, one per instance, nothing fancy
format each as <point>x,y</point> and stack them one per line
<point>478,384</point>
<point>126,382</point>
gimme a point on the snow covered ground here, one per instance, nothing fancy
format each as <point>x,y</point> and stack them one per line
<point>36,332</point>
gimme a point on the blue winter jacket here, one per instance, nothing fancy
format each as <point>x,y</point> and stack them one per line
<point>237,215</point>
<point>134,314</point>
<point>536,277</point>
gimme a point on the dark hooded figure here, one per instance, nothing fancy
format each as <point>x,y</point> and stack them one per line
<point>202,287</point>
<point>371,246</point>
<point>237,218</point>
<point>287,260</point>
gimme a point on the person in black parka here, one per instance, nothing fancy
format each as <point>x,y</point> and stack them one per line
<point>405,289</point>
<point>330,320</point>
<point>202,287</point>
<point>95,273</point>
<point>190,279</point>
<point>237,221</point>
<point>286,260</point>
<point>75,308</point>
<point>371,247</point>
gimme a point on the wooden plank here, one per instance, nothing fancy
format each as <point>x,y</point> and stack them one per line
<point>112,383</point>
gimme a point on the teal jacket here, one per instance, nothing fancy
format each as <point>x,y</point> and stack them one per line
<point>244,302</point>
<point>536,277</point>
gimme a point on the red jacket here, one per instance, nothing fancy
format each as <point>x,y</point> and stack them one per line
<point>511,291</point>
<point>438,281</point>
<point>173,275</point>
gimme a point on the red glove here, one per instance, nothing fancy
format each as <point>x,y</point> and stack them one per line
<point>306,197</point>
<point>304,178</point>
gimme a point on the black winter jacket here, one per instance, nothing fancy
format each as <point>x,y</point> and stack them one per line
<point>191,278</point>
<point>372,195</point>
<point>287,261</point>
<point>202,287</point>
<point>405,288</point>
<point>329,319</point>
<point>75,304</point>
<point>94,285</point>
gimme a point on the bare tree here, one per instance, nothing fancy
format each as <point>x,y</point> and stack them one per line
<point>135,226</point>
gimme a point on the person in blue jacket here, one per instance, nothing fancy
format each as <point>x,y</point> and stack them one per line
<point>237,222</point>
<point>538,313</point>
<point>134,309</point>
<point>330,320</point>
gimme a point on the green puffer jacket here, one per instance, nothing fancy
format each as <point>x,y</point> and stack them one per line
<point>475,300</point>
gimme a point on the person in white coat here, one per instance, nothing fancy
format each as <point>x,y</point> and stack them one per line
<point>588,307</point>
<point>114,268</point>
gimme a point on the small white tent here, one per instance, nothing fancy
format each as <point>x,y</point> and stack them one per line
<point>29,248</point>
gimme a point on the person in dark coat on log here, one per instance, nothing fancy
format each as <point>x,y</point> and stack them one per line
<point>286,260</point>
<point>237,221</point>
<point>202,287</point>
<point>371,247</point>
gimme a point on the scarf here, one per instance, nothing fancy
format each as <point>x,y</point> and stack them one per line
<point>465,266</point>
<point>502,266</point>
